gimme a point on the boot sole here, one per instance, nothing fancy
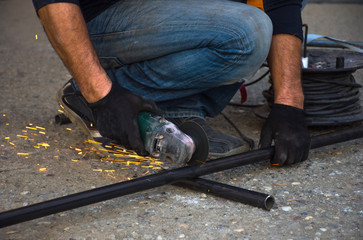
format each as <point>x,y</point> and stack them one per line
<point>226,154</point>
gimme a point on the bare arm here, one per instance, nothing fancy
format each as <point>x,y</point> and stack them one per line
<point>286,124</point>
<point>67,32</point>
<point>284,61</point>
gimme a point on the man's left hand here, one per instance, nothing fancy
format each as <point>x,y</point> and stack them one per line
<point>286,125</point>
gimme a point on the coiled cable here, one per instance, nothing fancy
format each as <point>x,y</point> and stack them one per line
<point>331,97</point>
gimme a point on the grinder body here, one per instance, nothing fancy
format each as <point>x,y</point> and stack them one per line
<point>164,140</point>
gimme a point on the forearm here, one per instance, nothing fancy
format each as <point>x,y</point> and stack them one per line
<point>68,34</point>
<point>285,65</point>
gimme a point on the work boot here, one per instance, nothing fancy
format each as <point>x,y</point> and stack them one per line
<point>75,107</point>
<point>220,145</point>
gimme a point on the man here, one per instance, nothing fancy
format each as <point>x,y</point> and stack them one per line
<point>183,59</point>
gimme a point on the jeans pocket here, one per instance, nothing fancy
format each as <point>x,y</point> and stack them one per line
<point>110,62</point>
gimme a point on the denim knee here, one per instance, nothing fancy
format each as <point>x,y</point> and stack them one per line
<point>259,32</point>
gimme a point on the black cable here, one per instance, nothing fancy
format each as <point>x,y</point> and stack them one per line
<point>249,84</point>
<point>331,97</point>
<point>258,79</point>
<point>248,140</point>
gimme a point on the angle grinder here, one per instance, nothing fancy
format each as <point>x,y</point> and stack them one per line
<point>164,140</point>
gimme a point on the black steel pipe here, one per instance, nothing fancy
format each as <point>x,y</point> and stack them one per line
<point>331,44</point>
<point>61,119</point>
<point>156,180</point>
<point>257,199</point>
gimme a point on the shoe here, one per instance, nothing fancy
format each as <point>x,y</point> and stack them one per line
<point>220,145</point>
<point>75,107</point>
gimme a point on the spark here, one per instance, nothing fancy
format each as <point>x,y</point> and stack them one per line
<point>23,154</point>
<point>97,170</point>
<point>69,129</point>
<point>41,132</point>
<point>46,145</point>
<point>36,36</point>
<point>37,127</point>
<point>22,136</point>
<point>31,128</point>
<point>146,166</point>
<point>42,169</point>
<point>111,176</point>
<point>92,141</point>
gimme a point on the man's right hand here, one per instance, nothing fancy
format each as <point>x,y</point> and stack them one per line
<point>115,111</point>
<point>116,117</point>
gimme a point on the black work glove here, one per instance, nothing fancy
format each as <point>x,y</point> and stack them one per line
<point>116,114</point>
<point>286,125</point>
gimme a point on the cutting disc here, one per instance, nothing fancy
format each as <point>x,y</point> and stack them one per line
<point>200,139</point>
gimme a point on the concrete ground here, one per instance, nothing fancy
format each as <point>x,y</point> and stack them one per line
<point>320,198</point>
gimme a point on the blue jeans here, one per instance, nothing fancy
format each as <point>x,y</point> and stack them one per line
<point>189,56</point>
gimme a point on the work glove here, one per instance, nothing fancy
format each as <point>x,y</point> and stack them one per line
<point>286,125</point>
<point>116,114</point>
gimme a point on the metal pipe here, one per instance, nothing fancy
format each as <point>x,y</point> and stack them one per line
<point>61,119</point>
<point>257,199</point>
<point>331,44</point>
<point>159,179</point>
<point>337,137</point>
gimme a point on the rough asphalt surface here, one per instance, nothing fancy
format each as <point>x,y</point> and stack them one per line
<point>320,198</point>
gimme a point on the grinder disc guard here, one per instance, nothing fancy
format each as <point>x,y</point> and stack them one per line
<point>200,139</point>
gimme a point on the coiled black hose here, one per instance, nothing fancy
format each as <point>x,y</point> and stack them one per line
<point>331,97</point>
